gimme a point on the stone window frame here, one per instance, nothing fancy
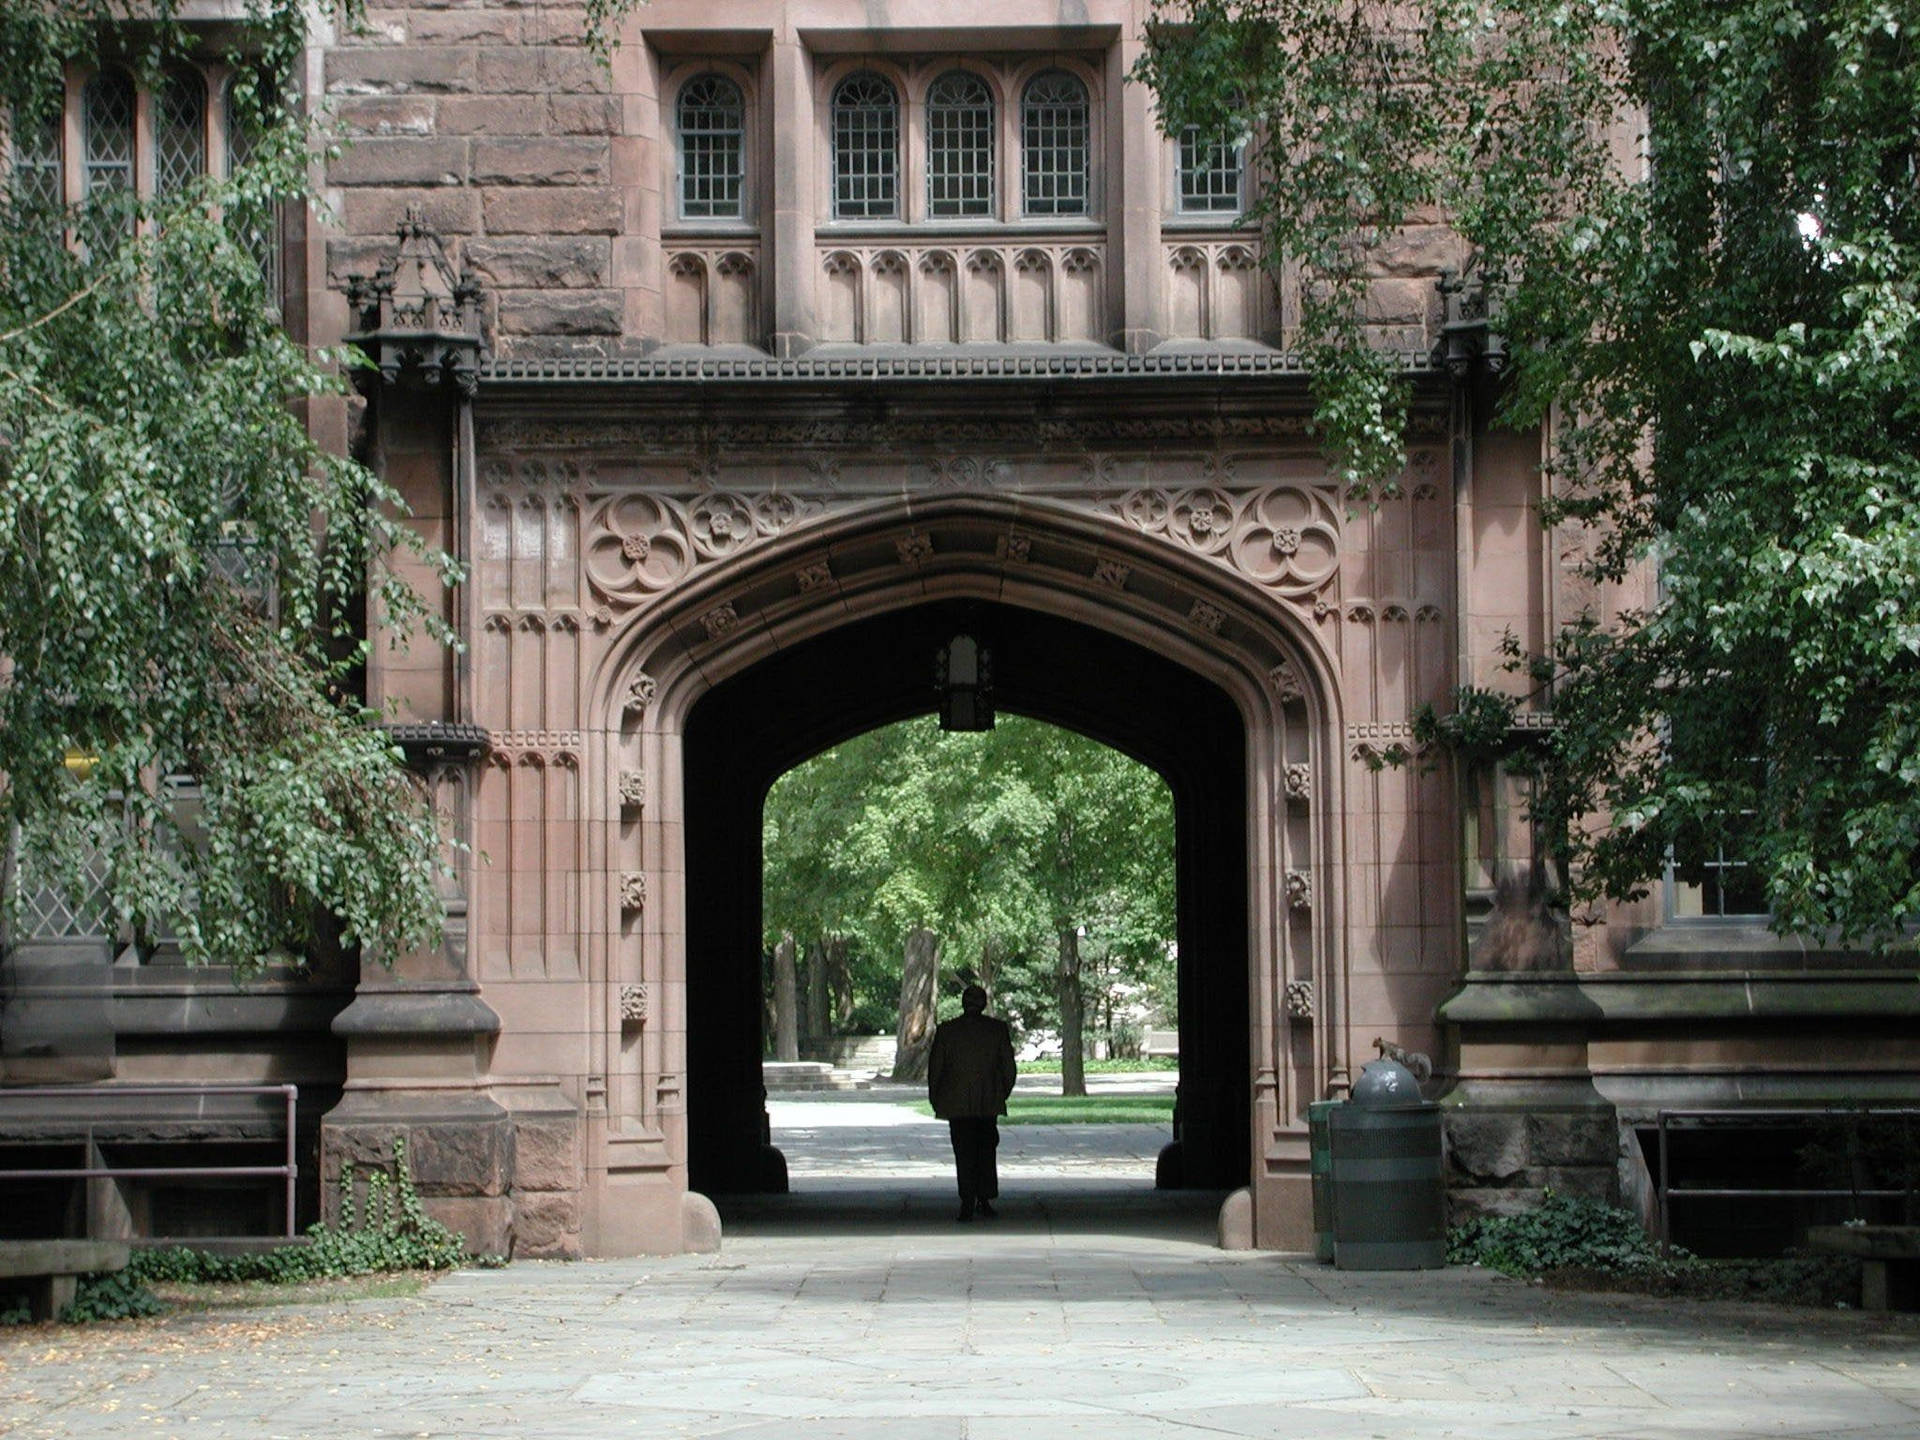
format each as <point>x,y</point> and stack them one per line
<point>744,179</point>
<point>1006,78</point>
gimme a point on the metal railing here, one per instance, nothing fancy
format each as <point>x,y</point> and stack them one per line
<point>288,1170</point>
<point>1848,1121</point>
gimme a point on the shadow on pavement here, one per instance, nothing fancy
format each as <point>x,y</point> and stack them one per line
<point>1032,1207</point>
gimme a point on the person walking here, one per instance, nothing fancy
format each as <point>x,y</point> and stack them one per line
<point>970,1073</point>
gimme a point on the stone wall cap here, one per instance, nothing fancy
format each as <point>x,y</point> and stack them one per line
<point>404,1012</point>
<point>909,363</point>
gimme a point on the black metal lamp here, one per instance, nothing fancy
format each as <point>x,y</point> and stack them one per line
<point>963,673</point>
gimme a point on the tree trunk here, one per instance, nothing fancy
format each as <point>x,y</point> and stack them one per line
<point>1073,1015</point>
<point>840,981</point>
<point>786,1000</point>
<point>987,971</point>
<point>817,1028</point>
<point>919,983</point>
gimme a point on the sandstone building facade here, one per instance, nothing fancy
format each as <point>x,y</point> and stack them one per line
<point>743,374</point>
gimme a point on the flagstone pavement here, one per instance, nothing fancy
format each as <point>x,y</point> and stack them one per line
<point>858,1308</point>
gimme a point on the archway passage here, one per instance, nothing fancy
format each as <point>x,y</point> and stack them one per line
<point>751,728</point>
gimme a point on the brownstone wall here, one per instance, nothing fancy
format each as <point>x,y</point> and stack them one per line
<point>508,136</point>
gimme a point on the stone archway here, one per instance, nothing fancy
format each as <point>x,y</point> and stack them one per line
<point>1122,588</point>
<point>749,729</point>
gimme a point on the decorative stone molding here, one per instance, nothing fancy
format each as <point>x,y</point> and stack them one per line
<point>1286,683</point>
<point>434,741</point>
<point>1299,886</point>
<point>914,549</point>
<point>816,576</point>
<point>538,740</point>
<point>1299,781</point>
<point>1299,1000</point>
<point>636,1004</point>
<point>1207,617</point>
<point>721,621</point>
<point>1112,574</point>
<point>1015,549</point>
<point>633,890</point>
<point>1282,537</point>
<point>640,694</point>
<point>415,318</point>
<point>633,789</point>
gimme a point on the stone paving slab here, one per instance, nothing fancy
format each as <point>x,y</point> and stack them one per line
<point>1094,1313</point>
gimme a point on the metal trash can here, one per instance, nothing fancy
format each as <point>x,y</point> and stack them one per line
<point>1320,1170</point>
<point>1387,1183</point>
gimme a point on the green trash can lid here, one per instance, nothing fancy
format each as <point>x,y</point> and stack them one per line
<point>1386,1084</point>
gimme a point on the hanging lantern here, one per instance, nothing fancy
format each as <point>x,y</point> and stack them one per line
<point>963,673</point>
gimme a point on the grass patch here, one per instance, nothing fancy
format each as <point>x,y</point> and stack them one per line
<point>1104,1067</point>
<point>1082,1110</point>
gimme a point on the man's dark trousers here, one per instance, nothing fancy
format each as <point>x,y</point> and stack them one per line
<point>975,1138</point>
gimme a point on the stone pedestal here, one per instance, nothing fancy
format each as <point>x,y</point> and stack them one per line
<point>416,1062</point>
<point>1523,1116</point>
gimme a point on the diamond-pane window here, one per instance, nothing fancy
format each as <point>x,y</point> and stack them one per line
<point>1210,166</point>
<point>179,132</point>
<point>36,159</point>
<point>866,149</point>
<point>1054,144</point>
<point>959,146</point>
<point>107,120</point>
<point>713,123</point>
<point>248,99</point>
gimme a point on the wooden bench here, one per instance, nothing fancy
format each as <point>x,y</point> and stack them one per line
<point>52,1269</point>
<point>1889,1256</point>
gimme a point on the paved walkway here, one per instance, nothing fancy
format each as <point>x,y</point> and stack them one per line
<point>856,1309</point>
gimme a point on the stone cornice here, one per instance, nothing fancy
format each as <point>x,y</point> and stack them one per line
<point>989,365</point>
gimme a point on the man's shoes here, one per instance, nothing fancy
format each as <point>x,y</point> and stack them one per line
<point>966,1212</point>
<point>987,1212</point>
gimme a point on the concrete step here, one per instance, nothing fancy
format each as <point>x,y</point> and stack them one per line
<point>808,1075</point>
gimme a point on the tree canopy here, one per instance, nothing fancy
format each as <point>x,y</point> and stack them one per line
<point>1700,228</point>
<point>1001,843</point>
<point>185,571</point>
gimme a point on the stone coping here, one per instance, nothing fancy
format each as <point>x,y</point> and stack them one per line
<point>995,363</point>
<point>1614,997</point>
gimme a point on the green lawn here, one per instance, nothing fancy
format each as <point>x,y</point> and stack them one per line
<point>1082,1110</point>
<point>1104,1067</point>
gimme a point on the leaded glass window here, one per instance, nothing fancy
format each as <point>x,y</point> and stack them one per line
<point>959,146</point>
<point>248,100</point>
<point>866,149</point>
<point>179,132</point>
<point>36,159</point>
<point>107,122</point>
<point>1210,166</point>
<point>1054,144</point>
<point>712,123</point>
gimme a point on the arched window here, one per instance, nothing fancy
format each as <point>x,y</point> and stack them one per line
<point>106,117</point>
<point>959,146</point>
<point>36,159</point>
<point>1210,172</point>
<point>1054,144</point>
<point>713,125</point>
<point>866,149</point>
<point>179,132</point>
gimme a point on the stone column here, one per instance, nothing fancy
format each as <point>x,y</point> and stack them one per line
<point>418,1036</point>
<point>788,237</point>
<point>1134,202</point>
